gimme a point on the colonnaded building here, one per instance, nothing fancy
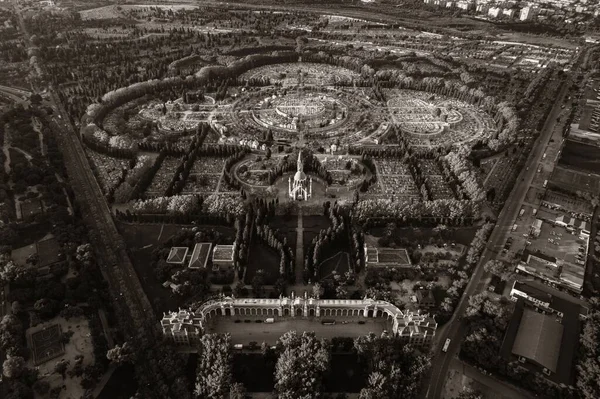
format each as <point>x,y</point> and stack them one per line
<point>185,327</point>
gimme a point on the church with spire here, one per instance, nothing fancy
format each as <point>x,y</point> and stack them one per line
<point>300,188</point>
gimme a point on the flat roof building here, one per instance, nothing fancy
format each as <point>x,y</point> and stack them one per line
<point>536,228</point>
<point>529,293</point>
<point>223,256</point>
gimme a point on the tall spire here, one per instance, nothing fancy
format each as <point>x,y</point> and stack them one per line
<point>300,165</point>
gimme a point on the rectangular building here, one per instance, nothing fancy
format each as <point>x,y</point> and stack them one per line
<point>223,257</point>
<point>538,340</point>
<point>531,294</point>
<point>200,255</point>
<point>528,13</point>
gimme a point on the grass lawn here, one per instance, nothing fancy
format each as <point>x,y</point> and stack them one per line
<point>340,262</point>
<point>265,258</point>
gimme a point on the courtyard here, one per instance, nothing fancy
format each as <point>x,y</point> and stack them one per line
<point>243,332</point>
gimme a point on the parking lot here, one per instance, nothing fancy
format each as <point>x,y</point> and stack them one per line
<point>576,207</point>
<point>558,243</point>
<point>244,332</point>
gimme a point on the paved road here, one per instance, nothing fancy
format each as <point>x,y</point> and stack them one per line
<point>133,304</point>
<point>300,248</point>
<point>456,328</point>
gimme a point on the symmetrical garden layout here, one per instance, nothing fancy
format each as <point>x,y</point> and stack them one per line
<point>149,149</point>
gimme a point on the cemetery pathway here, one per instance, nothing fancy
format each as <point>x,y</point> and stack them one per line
<point>6,159</point>
<point>37,127</point>
<point>299,249</point>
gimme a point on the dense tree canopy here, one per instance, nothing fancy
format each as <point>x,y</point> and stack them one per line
<point>301,365</point>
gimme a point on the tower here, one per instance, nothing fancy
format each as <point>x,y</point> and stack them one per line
<point>300,189</point>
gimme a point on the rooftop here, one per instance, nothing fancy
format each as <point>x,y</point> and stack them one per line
<point>566,347</point>
<point>200,255</point>
<point>533,292</point>
<point>538,339</point>
<point>177,255</point>
<point>223,253</point>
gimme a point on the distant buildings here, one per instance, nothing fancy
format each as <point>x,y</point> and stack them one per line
<point>300,187</point>
<point>493,12</point>
<point>536,228</point>
<point>425,298</point>
<point>528,13</point>
<point>537,297</point>
<point>508,13</point>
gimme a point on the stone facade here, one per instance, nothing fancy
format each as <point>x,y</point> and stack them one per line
<point>416,328</point>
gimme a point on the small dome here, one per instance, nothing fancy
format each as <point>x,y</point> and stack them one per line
<point>299,176</point>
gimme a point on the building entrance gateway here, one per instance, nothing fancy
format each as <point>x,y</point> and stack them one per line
<point>185,326</point>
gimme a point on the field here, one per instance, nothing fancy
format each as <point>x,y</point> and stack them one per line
<point>47,344</point>
<point>580,156</point>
